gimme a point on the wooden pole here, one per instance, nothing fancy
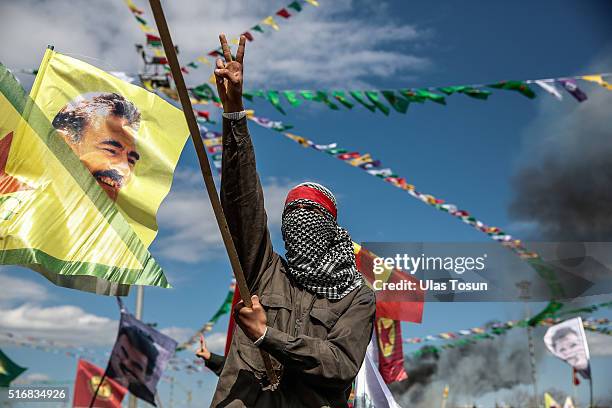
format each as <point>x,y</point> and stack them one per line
<point>175,68</point>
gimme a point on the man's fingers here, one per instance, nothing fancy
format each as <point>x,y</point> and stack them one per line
<point>226,49</point>
<point>220,63</point>
<point>222,73</point>
<point>241,45</point>
<point>255,300</point>
<point>201,341</point>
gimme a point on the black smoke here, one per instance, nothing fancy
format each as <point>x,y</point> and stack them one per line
<point>471,371</point>
<point>563,189</point>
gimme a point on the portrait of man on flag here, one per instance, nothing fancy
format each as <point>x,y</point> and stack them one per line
<point>101,129</point>
<point>139,357</point>
<point>567,341</point>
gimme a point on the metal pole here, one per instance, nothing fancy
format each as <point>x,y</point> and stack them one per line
<point>524,288</point>
<point>133,401</point>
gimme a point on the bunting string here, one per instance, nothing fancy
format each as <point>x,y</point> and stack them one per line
<point>375,168</point>
<point>265,26</point>
<point>462,337</point>
<point>400,99</point>
<point>224,309</point>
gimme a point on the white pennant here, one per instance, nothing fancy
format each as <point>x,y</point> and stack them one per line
<point>550,88</point>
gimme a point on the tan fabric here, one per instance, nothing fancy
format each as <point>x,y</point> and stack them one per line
<point>317,345</point>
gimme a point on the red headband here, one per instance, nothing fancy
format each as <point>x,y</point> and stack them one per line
<point>312,194</point>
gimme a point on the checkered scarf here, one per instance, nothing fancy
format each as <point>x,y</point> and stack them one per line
<point>319,253</point>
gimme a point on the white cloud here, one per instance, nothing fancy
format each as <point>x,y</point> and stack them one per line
<point>30,378</point>
<point>599,344</point>
<point>66,324</point>
<point>20,289</point>
<point>330,45</point>
<point>180,334</point>
<point>190,231</point>
<point>216,342</point>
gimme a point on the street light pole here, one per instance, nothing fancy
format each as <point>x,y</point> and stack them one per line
<point>133,401</point>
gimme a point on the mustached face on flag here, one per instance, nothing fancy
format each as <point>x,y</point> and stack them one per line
<point>54,216</point>
<point>139,357</point>
<point>129,139</point>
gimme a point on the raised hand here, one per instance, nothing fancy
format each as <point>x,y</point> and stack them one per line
<point>228,76</point>
<point>203,350</point>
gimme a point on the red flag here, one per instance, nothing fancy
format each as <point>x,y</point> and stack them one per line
<point>203,114</point>
<point>404,305</point>
<point>283,13</point>
<point>88,377</point>
<point>575,378</point>
<point>390,350</point>
<point>248,35</point>
<point>231,325</point>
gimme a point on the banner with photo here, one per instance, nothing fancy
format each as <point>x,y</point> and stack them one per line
<point>568,342</point>
<point>139,357</point>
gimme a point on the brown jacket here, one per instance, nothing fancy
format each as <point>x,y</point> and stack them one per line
<point>317,344</point>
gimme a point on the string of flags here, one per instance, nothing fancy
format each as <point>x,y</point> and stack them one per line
<point>375,168</point>
<point>400,99</point>
<point>224,309</point>
<point>599,325</point>
<point>592,324</point>
<point>265,26</point>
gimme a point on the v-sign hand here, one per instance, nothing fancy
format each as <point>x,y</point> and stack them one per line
<point>228,76</point>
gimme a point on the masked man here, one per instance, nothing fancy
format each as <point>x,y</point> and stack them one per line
<point>312,312</point>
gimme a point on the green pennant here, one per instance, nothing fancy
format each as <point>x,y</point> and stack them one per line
<point>140,20</point>
<point>193,65</point>
<point>339,95</point>
<point>295,5</point>
<point>274,99</point>
<point>308,95</point>
<point>257,28</point>
<point>8,370</point>
<point>398,103</point>
<point>476,93</point>
<point>292,98</point>
<point>250,94</point>
<point>550,309</point>
<point>519,86</point>
<point>449,90</point>
<point>322,97</point>
<point>434,97</point>
<point>359,98</point>
<point>205,92</point>
<point>375,99</point>
<point>411,95</point>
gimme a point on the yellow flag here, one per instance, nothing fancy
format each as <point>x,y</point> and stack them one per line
<point>84,232</point>
<point>598,79</point>
<point>132,155</point>
<point>270,21</point>
<point>549,401</point>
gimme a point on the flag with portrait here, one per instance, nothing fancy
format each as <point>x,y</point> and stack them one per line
<point>84,165</point>
<point>139,357</point>
<point>567,341</point>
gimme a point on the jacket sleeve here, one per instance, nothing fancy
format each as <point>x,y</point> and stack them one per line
<point>333,361</point>
<point>243,201</point>
<point>215,363</point>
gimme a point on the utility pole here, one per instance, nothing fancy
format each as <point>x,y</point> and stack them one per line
<point>171,403</point>
<point>524,288</point>
<point>133,401</point>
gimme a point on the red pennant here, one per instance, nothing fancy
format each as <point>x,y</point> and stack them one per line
<point>283,13</point>
<point>390,350</point>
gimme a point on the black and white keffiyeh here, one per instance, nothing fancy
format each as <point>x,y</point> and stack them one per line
<point>319,253</point>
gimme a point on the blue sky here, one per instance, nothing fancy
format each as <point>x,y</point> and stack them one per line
<point>466,152</point>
